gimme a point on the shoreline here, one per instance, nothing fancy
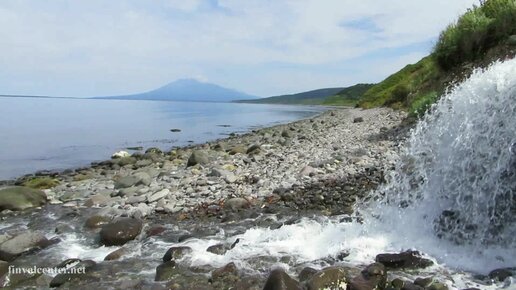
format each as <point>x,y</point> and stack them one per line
<point>267,178</point>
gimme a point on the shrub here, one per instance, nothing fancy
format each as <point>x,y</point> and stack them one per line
<point>479,29</point>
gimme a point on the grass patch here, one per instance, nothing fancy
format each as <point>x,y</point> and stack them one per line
<point>41,182</point>
<point>422,103</point>
<point>397,89</point>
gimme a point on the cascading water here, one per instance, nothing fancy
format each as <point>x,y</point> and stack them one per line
<point>457,174</point>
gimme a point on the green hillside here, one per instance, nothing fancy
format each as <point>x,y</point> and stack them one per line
<point>315,97</point>
<point>483,34</point>
<point>330,96</point>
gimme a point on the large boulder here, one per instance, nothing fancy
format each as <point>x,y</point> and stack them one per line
<point>120,231</point>
<point>133,180</point>
<point>198,157</point>
<point>20,198</point>
<point>279,280</point>
<point>22,243</point>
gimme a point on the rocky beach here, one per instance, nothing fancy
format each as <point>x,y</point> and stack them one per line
<point>177,219</point>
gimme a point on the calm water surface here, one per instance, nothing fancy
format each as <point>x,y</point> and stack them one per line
<point>38,134</point>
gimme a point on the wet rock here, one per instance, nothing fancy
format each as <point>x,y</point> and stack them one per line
<point>20,198</point>
<point>153,150</point>
<point>218,249</point>
<point>502,274</point>
<point>279,280</point>
<point>123,162</point>
<point>175,130</point>
<point>228,273</point>
<point>423,282</point>
<point>22,243</point>
<point>408,259</point>
<point>198,157</point>
<point>81,273</point>
<point>372,277</point>
<point>4,268</point>
<point>63,228</point>
<point>307,274</point>
<point>332,278</point>
<point>120,231</point>
<point>176,253</point>
<point>236,204</point>
<point>96,221</point>
<point>115,255</point>
<point>155,230</point>
<point>167,271</point>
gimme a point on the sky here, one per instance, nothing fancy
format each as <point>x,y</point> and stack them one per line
<point>81,48</point>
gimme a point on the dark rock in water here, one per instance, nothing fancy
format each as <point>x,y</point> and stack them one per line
<point>279,280</point>
<point>502,274</point>
<point>175,253</point>
<point>21,244</point>
<point>20,198</point>
<point>358,120</point>
<point>137,148</point>
<point>96,221</point>
<point>198,157</point>
<point>407,285</point>
<point>408,259</point>
<point>63,228</point>
<point>4,268</point>
<point>115,255</point>
<point>175,130</point>
<point>81,269</point>
<point>218,249</point>
<point>224,126</point>
<point>120,231</point>
<point>342,255</point>
<point>154,150</point>
<point>155,230</point>
<point>225,277</point>
<point>423,282</point>
<point>332,278</point>
<point>170,271</point>
<point>372,277</point>
<point>307,274</point>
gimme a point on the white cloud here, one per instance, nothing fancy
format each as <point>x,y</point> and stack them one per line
<point>95,47</point>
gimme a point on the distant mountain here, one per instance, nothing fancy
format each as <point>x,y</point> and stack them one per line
<point>330,96</point>
<point>188,90</point>
<point>314,97</point>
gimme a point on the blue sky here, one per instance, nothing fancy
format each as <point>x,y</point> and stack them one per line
<point>83,48</point>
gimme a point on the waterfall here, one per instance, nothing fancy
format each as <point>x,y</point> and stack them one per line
<point>457,173</point>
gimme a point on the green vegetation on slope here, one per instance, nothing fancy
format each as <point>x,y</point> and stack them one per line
<point>348,96</point>
<point>479,36</point>
<point>478,30</point>
<point>330,97</point>
<point>315,97</point>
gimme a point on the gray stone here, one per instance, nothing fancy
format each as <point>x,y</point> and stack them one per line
<point>158,195</point>
<point>11,249</point>
<point>20,198</point>
<point>97,200</point>
<point>198,157</point>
